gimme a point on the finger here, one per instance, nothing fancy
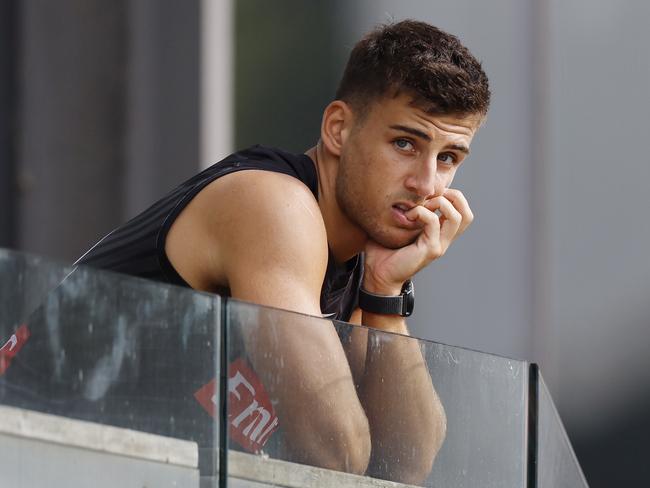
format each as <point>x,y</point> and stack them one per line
<point>450,219</point>
<point>460,203</point>
<point>430,235</point>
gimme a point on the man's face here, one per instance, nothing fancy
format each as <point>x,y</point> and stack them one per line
<point>396,157</point>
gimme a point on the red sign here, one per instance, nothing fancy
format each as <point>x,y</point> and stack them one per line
<point>12,346</point>
<point>251,417</point>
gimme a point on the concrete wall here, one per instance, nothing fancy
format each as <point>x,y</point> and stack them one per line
<point>108,116</point>
<point>71,115</point>
<point>595,345</point>
<point>37,449</point>
<point>598,200</point>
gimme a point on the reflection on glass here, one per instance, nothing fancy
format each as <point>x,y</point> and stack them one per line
<point>115,350</point>
<point>25,281</point>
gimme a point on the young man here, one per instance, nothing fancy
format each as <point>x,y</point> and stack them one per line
<point>348,223</point>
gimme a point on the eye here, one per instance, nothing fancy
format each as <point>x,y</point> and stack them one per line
<point>447,158</point>
<point>403,144</point>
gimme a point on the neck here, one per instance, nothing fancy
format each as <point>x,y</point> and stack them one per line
<point>344,237</point>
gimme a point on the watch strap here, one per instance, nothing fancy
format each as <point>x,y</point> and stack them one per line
<point>380,303</point>
<point>401,304</point>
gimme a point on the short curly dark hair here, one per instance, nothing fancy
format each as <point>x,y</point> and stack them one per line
<point>417,58</point>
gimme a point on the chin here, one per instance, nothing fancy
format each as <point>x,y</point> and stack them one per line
<point>395,240</point>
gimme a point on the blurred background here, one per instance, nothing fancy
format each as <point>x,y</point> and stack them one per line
<point>105,106</point>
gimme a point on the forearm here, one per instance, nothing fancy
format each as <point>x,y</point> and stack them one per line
<point>407,420</point>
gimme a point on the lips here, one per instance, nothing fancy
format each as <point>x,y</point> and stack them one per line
<point>399,214</point>
<point>402,206</point>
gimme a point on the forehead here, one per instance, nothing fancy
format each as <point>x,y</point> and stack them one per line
<point>403,110</point>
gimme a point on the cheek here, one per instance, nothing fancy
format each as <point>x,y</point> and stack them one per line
<point>387,166</point>
<point>376,171</point>
<point>445,178</point>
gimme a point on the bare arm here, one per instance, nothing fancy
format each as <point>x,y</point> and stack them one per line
<point>407,419</point>
<point>268,245</point>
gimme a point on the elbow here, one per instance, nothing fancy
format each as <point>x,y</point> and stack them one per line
<point>339,441</point>
<point>349,447</point>
<point>422,465</point>
<point>439,428</point>
<point>411,461</point>
<point>420,469</point>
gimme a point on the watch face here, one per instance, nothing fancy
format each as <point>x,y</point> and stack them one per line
<point>408,297</point>
<point>408,287</point>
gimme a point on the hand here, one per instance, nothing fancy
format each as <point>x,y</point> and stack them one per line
<point>387,269</point>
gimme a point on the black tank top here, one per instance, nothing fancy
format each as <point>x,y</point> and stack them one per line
<point>138,247</point>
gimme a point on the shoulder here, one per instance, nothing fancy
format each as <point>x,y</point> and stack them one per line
<point>259,201</point>
<point>258,226</point>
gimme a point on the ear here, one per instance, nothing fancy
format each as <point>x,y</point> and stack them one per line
<point>336,125</point>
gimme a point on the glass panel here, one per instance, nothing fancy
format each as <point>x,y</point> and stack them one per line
<point>88,350</point>
<point>557,466</point>
<point>24,281</point>
<point>113,350</point>
<point>292,397</point>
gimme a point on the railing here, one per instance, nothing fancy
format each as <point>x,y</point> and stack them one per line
<point>97,362</point>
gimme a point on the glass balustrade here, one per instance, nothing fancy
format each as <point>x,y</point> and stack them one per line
<point>109,349</point>
<point>325,393</point>
<point>557,466</point>
<point>125,376</point>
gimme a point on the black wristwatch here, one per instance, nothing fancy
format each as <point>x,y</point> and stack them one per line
<point>402,304</point>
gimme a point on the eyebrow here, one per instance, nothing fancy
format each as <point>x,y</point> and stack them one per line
<point>427,137</point>
<point>412,131</point>
<point>460,148</point>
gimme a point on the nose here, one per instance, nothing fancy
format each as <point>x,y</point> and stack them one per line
<point>426,182</point>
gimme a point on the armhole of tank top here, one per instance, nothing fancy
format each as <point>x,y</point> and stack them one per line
<point>163,260</point>
<point>310,166</point>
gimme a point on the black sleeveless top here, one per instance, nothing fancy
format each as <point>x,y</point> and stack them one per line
<point>138,247</point>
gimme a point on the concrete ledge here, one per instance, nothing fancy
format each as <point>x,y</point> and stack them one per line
<point>244,470</point>
<point>273,472</point>
<point>102,438</point>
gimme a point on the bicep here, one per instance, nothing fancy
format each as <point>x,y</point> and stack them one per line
<point>276,255</point>
<point>273,286</point>
<point>274,245</point>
